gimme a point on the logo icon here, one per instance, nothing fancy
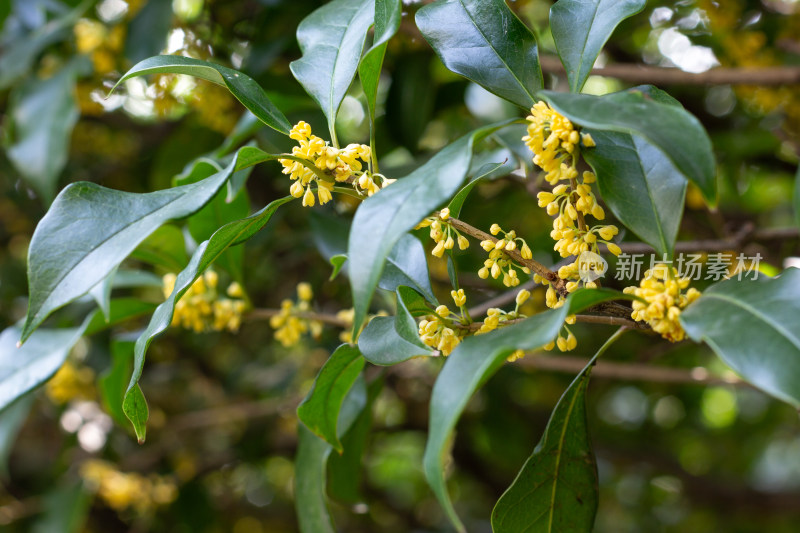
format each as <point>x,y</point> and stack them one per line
<point>591,266</point>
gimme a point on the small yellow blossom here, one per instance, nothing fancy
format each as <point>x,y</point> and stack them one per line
<point>122,491</point>
<point>499,263</point>
<point>662,289</point>
<point>459,297</point>
<point>71,382</point>
<point>202,309</point>
<point>442,232</point>
<point>291,322</point>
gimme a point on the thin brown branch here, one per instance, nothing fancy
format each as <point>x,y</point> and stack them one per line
<point>266,314</point>
<point>629,371</point>
<point>636,73</point>
<point>589,319</point>
<point>735,242</point>
<point>232,413</point>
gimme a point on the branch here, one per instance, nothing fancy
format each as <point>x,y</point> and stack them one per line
<point>735,242</point>
<point>636,73</point>
<point>629,371</point>
<point>266,314</point>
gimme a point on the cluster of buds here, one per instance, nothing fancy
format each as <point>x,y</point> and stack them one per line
<point>499,263</point>
<point>662,292</point>
<point>202,309</point>
<point>122,491</point>
<point>324,166</point>
<point>443,233</point>
<point>439,330</point>
<point>290,323</point>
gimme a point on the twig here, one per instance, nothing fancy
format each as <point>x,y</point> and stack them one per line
<point>230,413</point>
<point>333,320</point>
<point>735,242</point>
<point>629,371</point>
<point>636,73</point>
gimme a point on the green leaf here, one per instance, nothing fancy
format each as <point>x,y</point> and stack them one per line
<point>382,345</point>
<point>458,200</point>
<point>409,305</point>
<point>111,383</point>
<point>641,186</point>
<point>207,252</point>
<point>101,293</point>
<point>580,30</point>
<point>345,471</point>
<point>387,21</point>
<point>42,115</point>
<point>384,218</point>
<point>754,326</point>
<point>242,86</point>
<point>650,113</point>
<point>319,411</point>
<point>332,39</point>
<point>216,213</point>
<point>89,230</point>
<point>406,264</point>
<point>148,31</point>
<point>134,405</point>
<point>472,363</point>
<point>310,466</point>
<point>797,197</point>
<point>12,417</point>
<point>165,247</point>
<point>25,368</point>
<point>484,41</point>
<point>337,262</point>
<point>556,490</point>
<point>18,58</point>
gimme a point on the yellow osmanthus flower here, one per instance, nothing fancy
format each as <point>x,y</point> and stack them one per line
<point>122,491</point>
<point>443,233</point>
<point>71,382</point>
<point>202,309</point>
<point>499,263</point>
<point>436,331</point>
<point>662,289</point>
<point>290,324</point>
<point>339,165</point>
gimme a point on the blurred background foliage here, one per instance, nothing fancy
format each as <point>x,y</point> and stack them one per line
<point>672,456</point>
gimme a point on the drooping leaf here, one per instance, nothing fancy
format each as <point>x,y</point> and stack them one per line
<point>387,21</point>
<point>641,186</point>
<point>242,86</point>
<point>43,113</point>
<point>384,218</point>
<point>332,39</point>
<point>651,114</point>
<point>25,368</point>
<point>319,411</point>
<point>134,405</point>
<point>207,252</point>
<point>311,501</point>
<point>484,41</point>
<point>754,326</point>
<point>89,230</point>
<point>556,489</point>
<point>472,363</point>
<point>382,345</point>
<point>580,30</point>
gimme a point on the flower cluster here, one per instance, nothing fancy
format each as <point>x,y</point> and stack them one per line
<point>439,331</point>
<point>442,233</point>
<point>202,309</point>
<point>662,292</point>
<point>122,491</point>
<point>499,262</point>
<point>71,382</point>
<point>324,165</point>
<point>290,324</point>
